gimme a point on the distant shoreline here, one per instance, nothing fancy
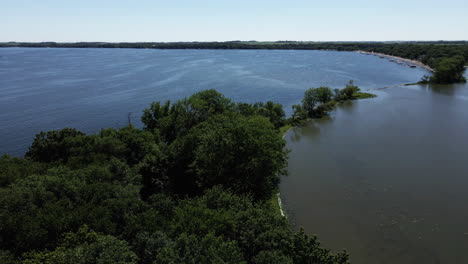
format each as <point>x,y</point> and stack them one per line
<point>320,46</point>
<point>396,58</point>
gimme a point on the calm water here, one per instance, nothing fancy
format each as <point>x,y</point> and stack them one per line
<point>386,178</point>
<point>90,89</point>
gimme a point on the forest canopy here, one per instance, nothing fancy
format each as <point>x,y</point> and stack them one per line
<point>193,186</point>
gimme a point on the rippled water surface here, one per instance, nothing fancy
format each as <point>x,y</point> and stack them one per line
<point>90,89</point>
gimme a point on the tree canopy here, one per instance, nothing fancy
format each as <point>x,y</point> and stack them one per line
<point>449,70</point>
<point>193,186</point>
<point>317,102</point>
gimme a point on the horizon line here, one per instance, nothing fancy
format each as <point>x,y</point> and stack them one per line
<point>223,41</point>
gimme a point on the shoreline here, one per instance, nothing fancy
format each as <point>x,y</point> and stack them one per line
<point>391,86</point>
<point>280,204</point>
<point>283,135</point>
<point>397,59</point>
<point>278,194</point>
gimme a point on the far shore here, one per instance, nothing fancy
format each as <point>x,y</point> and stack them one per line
<point>398,59</point>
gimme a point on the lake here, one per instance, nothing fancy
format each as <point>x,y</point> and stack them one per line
<point>90,89</point>
<point>385,178</point>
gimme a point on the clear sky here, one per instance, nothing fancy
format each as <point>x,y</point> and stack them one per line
<point>221,20</point>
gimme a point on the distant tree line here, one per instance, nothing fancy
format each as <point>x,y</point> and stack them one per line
<point>448,70</point>
<point>445,57</point>
<point>193,186</point>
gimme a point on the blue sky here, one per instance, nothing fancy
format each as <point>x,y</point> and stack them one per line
<point>218,20</point>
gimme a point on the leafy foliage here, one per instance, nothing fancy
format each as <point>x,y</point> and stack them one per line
<point>449,70</point>
<point>6,257</point>
<point>273,111</point>
<point>53,145</point>
<point>85,247</point>
<point>177,119</point>
<point>260,233</point>
<point>192,187</point>
<point>242,153</point>
<point>317,102</point>
<point>346,93</point>
<point>193,249</point>
<point>13,169</point>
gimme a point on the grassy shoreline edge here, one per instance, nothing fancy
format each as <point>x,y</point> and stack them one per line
<point>276,200</point>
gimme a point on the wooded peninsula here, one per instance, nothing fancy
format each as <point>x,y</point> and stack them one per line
<point>197,184</point>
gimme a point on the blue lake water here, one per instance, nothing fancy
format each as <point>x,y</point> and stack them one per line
<point>90,89</point>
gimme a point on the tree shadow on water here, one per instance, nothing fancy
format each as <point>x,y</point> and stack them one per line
<point>310,129</point>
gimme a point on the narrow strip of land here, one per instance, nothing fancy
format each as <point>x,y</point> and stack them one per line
<point>391,86</point>
<point>398,60</point>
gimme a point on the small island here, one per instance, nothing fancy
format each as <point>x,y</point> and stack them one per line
<point>317,102</point>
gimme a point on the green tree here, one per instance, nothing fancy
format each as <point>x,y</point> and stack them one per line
<point>85,247</point>
<point>209,249</point>
<point>309,101</point>
<point>147,246</point>
<point>272,257</point>
<point>273,111</point>
<point>127,144</point>
<point>347,93</point>
<point>449,70</point>
<point>307,250</point>
<point>12,169</point>
<point>154,172</point>
<point>177,119</point>
<point>255,226</point>
<point>37,210</point>
<point>299,115</point>
<point>261,233</point>
<point>52,146</point>
<point>153,115</point>
<point>323,94</point>
<point>315,96</point>
<point>6,257</point>
<point>245,154</point>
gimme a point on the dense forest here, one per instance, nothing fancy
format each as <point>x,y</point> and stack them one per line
<point>446,58</point>
<point>197,184</point>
